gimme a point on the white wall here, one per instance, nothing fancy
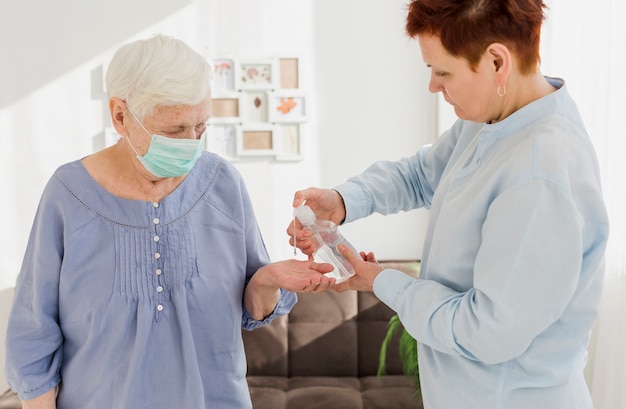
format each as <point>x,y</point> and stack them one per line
<point>6,298</point>
<point>364,77</point>
<point>373,104</point>
<point>50,51</point>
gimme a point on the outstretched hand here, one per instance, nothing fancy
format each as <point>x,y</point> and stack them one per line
<point>296,276</point>
<point>263,291</point>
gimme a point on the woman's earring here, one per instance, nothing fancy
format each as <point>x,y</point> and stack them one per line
<point>501,90</point>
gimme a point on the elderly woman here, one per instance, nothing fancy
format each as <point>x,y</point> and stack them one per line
<point>512,267</point>
<point>145,259</point>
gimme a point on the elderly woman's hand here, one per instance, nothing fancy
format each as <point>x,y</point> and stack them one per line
<point>263,291</point>
<point>296,276</point>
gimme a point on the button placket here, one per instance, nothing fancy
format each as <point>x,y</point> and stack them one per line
<point>158,260</point>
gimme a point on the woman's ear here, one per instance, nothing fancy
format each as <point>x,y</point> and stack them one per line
<point>502,61</point>
<point>118,110</point>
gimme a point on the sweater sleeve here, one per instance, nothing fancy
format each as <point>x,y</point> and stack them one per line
<point>34,339</point>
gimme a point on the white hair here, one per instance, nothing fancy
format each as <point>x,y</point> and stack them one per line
<point>156,71</point>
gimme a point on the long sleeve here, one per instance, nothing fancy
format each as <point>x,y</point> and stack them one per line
<point>388,187</point>
<point>133,303</point>
<point>34,338</point>
<point>525,276</point>
<point>513,259</point>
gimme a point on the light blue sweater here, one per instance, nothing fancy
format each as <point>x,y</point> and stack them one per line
<point>132,304</point>
<point>513,260</point>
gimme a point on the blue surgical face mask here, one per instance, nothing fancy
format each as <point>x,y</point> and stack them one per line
<point>169,157</point>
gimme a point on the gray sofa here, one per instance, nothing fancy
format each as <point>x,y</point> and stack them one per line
<point>324,355</point>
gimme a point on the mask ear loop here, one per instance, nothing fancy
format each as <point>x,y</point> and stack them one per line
<point>140,124</point>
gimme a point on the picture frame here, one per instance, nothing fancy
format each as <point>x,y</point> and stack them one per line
<point>261,74</point>
<point>256,140</point>
<point>289,143</point>
<point>223,74</point>
<point>289,69</point>
<point>287,106</point>
<point>255,107</point>
<point>226,107</point>
<point>222,140</point>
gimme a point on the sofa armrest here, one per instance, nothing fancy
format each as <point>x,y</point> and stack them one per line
<point>9,400</point>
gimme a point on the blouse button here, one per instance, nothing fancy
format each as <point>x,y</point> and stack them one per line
<point>157,255</point>
<point>159,307</point>
<point>158,271</point>
<point>159,289</point>
<point>155,204</point>
<point>156,238</point>
<point>156,220</point>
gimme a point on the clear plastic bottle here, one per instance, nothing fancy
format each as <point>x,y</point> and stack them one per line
<point>326,238</point>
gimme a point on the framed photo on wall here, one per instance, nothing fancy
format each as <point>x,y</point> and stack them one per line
<point>289,72</point>
<point>256,140</point>
<point>254,107</point>
<point>287,106</point>
<point>256,74</point>
<point>223,74</point>
<point>222,139</point>
<point>257,108</point>
<point>226,107</point>
<point>288,145</point>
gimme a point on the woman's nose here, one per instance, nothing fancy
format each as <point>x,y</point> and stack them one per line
<point>433,85</point>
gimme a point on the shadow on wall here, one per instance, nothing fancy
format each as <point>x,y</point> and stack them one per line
<point>42,41</point>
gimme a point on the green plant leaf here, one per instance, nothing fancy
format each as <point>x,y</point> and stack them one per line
<point>407,349</point>
<point>393,325</point>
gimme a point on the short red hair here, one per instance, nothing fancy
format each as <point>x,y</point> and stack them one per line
<point>467,27</point>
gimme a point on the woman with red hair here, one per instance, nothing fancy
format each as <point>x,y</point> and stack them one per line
<point>513,259</point>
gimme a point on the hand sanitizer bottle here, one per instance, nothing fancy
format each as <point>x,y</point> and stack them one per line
<point>326,238</point>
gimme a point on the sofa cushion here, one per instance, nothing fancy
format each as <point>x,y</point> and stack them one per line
<point>388,392</point>
<point>323,334</point>
<point>266,350</point>
<point>325,392</point>
<point>373,322</point>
